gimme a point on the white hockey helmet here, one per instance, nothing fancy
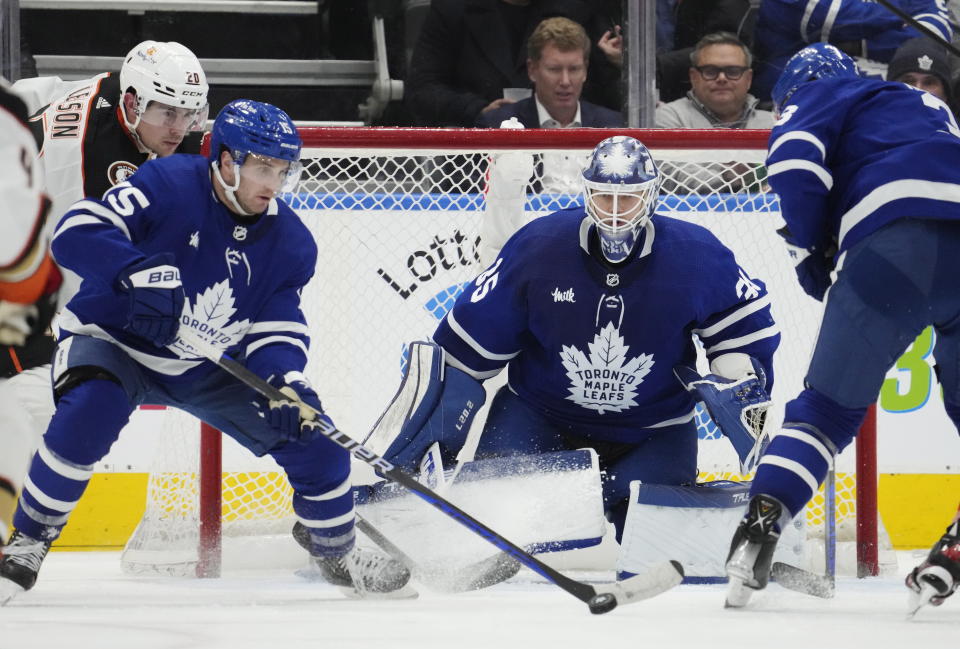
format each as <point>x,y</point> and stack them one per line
<point>167,73</point>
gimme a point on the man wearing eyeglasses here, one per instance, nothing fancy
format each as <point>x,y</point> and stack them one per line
<point>720,75</point>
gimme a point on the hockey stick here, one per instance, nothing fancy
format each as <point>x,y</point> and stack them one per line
<point>804,581</point>
<point>488,572</point>
<point>659,579</point>
<point>923,29</point>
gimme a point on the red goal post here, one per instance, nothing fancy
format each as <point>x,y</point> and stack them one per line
<point>397,214</point>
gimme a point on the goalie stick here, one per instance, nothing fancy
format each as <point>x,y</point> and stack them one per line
<point>658,579</point>
<point>484,573</point>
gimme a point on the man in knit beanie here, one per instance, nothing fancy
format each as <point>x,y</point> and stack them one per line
<point>924,64</point>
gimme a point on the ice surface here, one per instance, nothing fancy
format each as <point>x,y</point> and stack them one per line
<point>82,601</point>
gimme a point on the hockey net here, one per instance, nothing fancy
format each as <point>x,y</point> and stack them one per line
<point>397,215</point>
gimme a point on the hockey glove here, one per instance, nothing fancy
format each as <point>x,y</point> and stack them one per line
<point>17,322</point>
<point>296,420</point>
<point>737,406</point>
<point>812,265</point>
<point>156,299</point>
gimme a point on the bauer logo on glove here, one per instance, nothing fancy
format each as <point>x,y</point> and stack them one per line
<point>737,406</point>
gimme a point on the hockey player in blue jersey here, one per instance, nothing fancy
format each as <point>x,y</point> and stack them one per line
<point>865,28</point>
<point>590,309</point>
<point>867,173</point>
<point>195,243</point>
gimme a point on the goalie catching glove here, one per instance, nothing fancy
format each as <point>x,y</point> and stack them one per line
<point>296,420</point>
<point>737,406</point>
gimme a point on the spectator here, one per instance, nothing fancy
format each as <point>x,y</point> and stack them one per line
<point>558,53</point>
<point>867,31</point>
<point>691,20</point>
<point>923,64</point>
<point>470,51</point>
<point>720,77</point>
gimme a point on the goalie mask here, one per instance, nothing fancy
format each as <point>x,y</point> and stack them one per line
<point>256,135</point>
<point>817,61</point>
<point>621,192</point>
<point>170,86</point>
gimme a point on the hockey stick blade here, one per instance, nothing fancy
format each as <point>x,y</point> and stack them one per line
<point>481,574</point>
<point>659,579</point>
<point>803,581</point>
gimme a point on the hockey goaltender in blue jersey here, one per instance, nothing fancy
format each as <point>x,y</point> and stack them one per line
<point>594,344</point>
<point>217,254</point>
<point>883,168</point>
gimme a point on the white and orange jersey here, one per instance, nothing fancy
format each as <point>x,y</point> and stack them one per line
<point>25,263</point>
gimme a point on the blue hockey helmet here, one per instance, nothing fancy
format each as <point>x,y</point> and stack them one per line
<point>245,126</point>
<point>816,61</point>
<point>621,192</point>
<point>251,128</point>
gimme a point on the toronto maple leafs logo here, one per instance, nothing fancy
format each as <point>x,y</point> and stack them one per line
<point>605,380</point>
<point>209,317</point>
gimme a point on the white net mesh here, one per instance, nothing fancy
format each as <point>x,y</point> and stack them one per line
<point>399,234</point>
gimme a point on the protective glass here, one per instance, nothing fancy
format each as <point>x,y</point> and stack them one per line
<point>711,72</point>
<point>157,114</point>
<point>280,175</point>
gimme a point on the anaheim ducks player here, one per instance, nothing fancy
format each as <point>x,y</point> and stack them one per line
<point>25,266</point>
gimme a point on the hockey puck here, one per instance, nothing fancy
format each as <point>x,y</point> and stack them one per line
<point>602,603</point>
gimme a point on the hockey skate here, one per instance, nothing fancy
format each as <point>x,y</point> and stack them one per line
<point>20,564</point>
<point>363,572</point>
<point>751,551</point>
<point>937,577</point>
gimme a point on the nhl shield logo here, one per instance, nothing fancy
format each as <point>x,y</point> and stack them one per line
<point>613,279</point>
<point>239,233</point>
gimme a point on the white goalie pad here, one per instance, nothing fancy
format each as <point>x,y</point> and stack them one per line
<point>693,525</point>
<point>416,398</point>
<point>544,503</point>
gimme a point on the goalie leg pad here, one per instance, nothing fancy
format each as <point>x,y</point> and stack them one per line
<point>692,524</point>
<point>446,420</point>
<point>415,400</point>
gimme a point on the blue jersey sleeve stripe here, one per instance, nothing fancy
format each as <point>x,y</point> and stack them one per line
<point>75,221</point>
<point>96,210</point>
<point>803,136</point>
<point>805,21</point>
<point>273,326</point>
<point>473,344</point>
<point>269,340</point>
<point>743,341</point>
<point>453,361</point>
<point>746,310</point>
<point>802,165</point>
<point>831,18</point>
<point>936,23</point>
<point>892,191</point>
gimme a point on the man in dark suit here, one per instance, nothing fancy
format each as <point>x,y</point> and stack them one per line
<point>558,53</point>
<point>468,51</point>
